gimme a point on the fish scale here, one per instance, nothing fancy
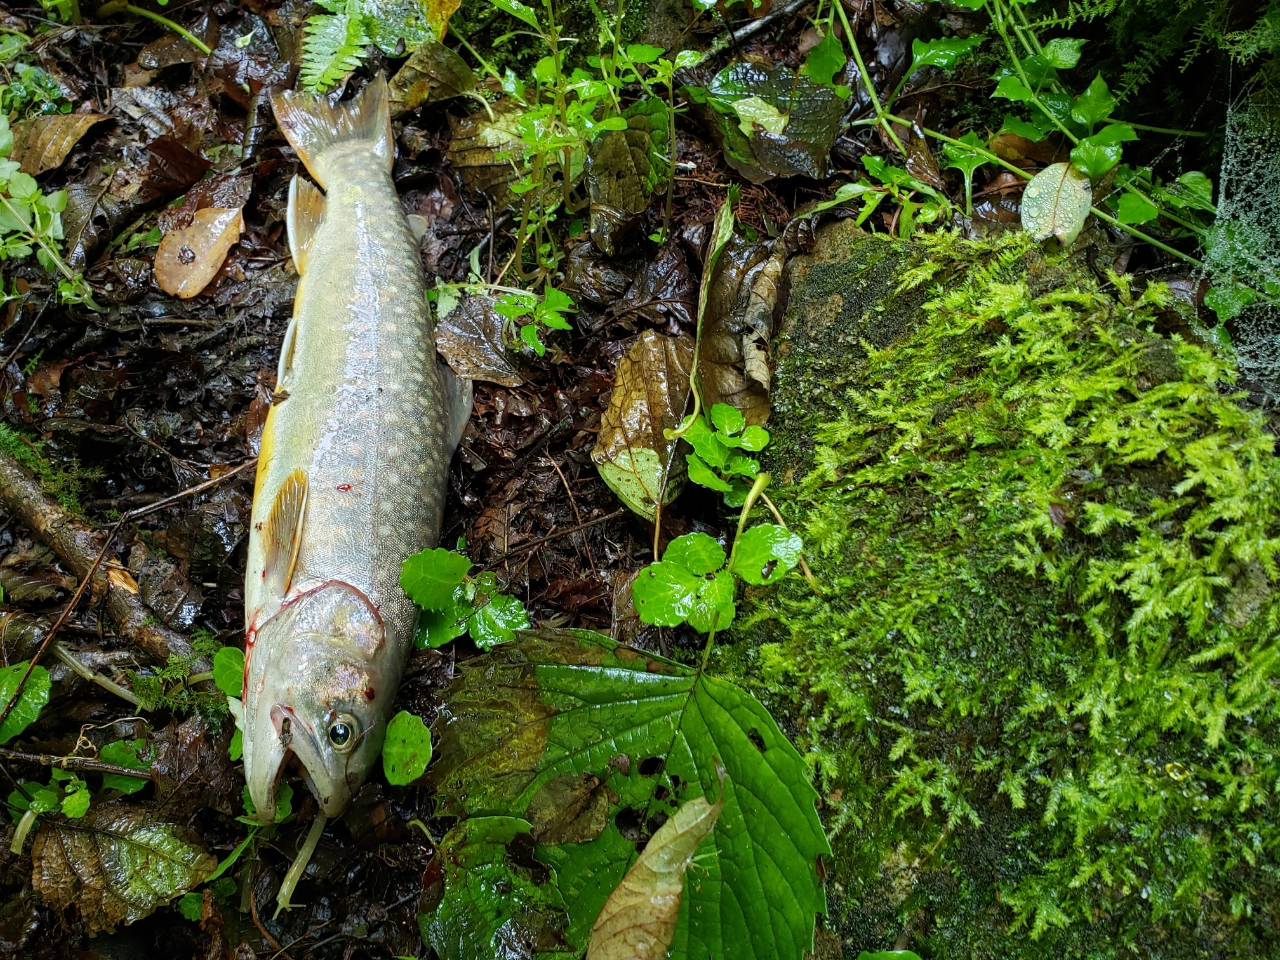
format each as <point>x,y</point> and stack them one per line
<point>353,464</point>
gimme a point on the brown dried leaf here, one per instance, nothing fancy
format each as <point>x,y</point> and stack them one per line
<point>639,918</point>
<point>434,72</point>
<point>569,808</point>
<point>192,768</point>
<point>469,337</point>
<point>189,258</point>
<point>487,152</point>
<point>649,395</point>
<point>42,143</point>
<point>116,865</point>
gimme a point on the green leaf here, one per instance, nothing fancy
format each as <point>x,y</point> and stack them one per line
<point>406,751</point>
<point>664,593</point>
<point>1094,105</point>
<point>1035,129</point>
<point>712,607</point>
<point>826,60</point>
<point>1012,88</point>
<point>643,52</point>
<point>764,553</point>
<point>1056,203</point>
<point>127,753</point>
<point>35,694</point>
<point>703,475</point>
<point>706,443</point>
<point>727,418</point>
<point>698,553</point>
<point>190,905</point>
<point>284,804</point>
<point>653,734</point>
<point>1064,52</point>
<point>75,802</point>
<point>235,749</point>
<point>943,53</point>
<point>1136,209</point>
<point>520,11</point>
<point>756,112</point>
<point>493,894</point>
<point>1228,301</point>
<point>1094,158</point>
<point>332,46</point>
<point>228,671</point>
<point>437,627</point>
<point>430,577</point>
<point>44,799</point>
<point>497,621</point>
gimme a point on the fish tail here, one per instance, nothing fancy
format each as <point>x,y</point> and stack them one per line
<point>312,124</point>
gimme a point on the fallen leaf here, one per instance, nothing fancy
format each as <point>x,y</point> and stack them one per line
<point>664,289</point>
<point>92,216</point>
<point>625,167</point>
<point>191,767</point>
<point>469,337</point>
<point>649,394</point>
<point>116,865</point>
<point>434,72</point>
<point>1056,203</point>
<point>639,918</point>
<point>438,14</point>
<point>488,153</point>
<point>569,808</point>
<point>188,259</point>
<point>42,143</point>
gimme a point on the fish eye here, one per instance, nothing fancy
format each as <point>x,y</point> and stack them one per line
<point>342,732</point>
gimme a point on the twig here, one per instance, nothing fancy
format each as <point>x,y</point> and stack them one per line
<point>73,763</point>
<point>534,544</point>
<point>66,656</point>
<point>74,542</point>
<point>253,912</point>
<point>573,502</point>
<point>731,36</point>
<point>39,313</point>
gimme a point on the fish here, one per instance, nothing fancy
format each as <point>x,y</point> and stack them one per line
<point>353,464</point>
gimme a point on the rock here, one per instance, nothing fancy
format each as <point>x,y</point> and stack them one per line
<point>1036,682</point>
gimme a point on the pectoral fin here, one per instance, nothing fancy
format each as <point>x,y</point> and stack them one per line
<point>305,214</point>
<point>282,534</point>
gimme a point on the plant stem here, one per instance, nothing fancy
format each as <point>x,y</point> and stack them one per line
<point>299,864</point>
<point>118,6</point>
<point>1168,130</point>
<point>881,110</point>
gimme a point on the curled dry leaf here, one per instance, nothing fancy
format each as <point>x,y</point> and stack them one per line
<point>649,395</point>
<point>117,864</point>
<point>1056,203</point>
<point>639,918</point>
<point>42,143</point>
<point>189,258</point>
<point>469,337</point>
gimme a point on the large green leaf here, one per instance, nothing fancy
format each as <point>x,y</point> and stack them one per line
<point>35,694</point>
<point>572,717</point>
<point>625,167</point>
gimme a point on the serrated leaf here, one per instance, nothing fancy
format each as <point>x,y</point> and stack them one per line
<point>625,167</point>
<point>406,751</point>
<point>573,702</point>
<point>650,391</point>
<point>665,593</point>
<point>35,694</point>
<point>332,46</point>
<point>429,577</point>
<point>492,897</point>
<point>127,753</point>
<point>698,553</point>
<point>497,621</point>
<point>116,865</point>
<point>639,918</point>
<point>190,905</point>
<point>727,418</point>
<point>1056,203</point>
<point>228,671</point>
<point>764,553</point>
<point>435,628</point>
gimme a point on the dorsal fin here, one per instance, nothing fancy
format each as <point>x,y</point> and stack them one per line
<point>282,534</point>
<point>306,213</point>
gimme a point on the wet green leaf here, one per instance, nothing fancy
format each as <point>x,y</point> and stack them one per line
<point>1063,52</point>
<point>1094,158</point>
<point>116,865</point>
<point>430,577</point>
<point>406,751</point>
<point>754,112</point>
<point>826,60</point>
<point>764,553</point>
<point>727,418</point>
<point>437,627</point>
<point>1056,203</point>
<point>35,694</point>
<point>127,753</point>
<point>657,735</point>
<point>703,475</point>
<point>190,905</point>
<point>1094,105</point>
<point>1012,88</point>
<point>75,802</point>
<point>235,749</point>
<point>44,799</point>
<point>1230,300</point>
<point>497,621</point>
<point>228,671</point>
<point>698,553</point>
<point>1135,209</point>
<point>493,895</point>
<point>943,53</point>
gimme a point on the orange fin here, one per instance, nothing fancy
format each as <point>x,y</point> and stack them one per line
<point>282,534</point>
<point>312,124</point>
<point>306,213</point>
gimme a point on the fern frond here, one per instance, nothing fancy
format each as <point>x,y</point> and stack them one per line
<point>332,46</point>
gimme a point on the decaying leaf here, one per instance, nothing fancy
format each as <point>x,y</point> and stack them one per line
<point>42,143</point>
<point>188,259</point>
<point>116,865</point>
<point>655,734</point>
<point>570,808</point>
<point>469,337</point>
<point>649,395</point>
<point>493,898</point>
<point>771,122</point>
<point>434,72</point>
<point>1056,203</point>
<point>639,918</point>
<point>438,14</point>
<point>625,167</point>
<point>488,152</point>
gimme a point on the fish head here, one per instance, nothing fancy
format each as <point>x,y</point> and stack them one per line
<point>316,689</point>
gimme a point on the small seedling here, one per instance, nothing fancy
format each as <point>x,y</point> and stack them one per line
<point>454,603</point>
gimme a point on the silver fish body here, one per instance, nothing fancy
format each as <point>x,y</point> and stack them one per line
<point>353,466</point>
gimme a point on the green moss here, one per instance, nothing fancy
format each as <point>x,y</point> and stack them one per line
<point>1038,683</point>
<point>64,482</point>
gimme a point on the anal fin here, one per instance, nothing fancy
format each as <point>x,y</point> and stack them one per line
<point>282,534</point>
<point>305,214</point>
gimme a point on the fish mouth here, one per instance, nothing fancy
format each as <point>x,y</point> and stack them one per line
<point>295,747</point>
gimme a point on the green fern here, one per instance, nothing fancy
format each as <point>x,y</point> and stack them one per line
<point>332,46</point>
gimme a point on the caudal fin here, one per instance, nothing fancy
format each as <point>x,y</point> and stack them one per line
<point>312,124</point>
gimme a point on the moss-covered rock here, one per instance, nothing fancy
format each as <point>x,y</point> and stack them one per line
<point>1038,683</point>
